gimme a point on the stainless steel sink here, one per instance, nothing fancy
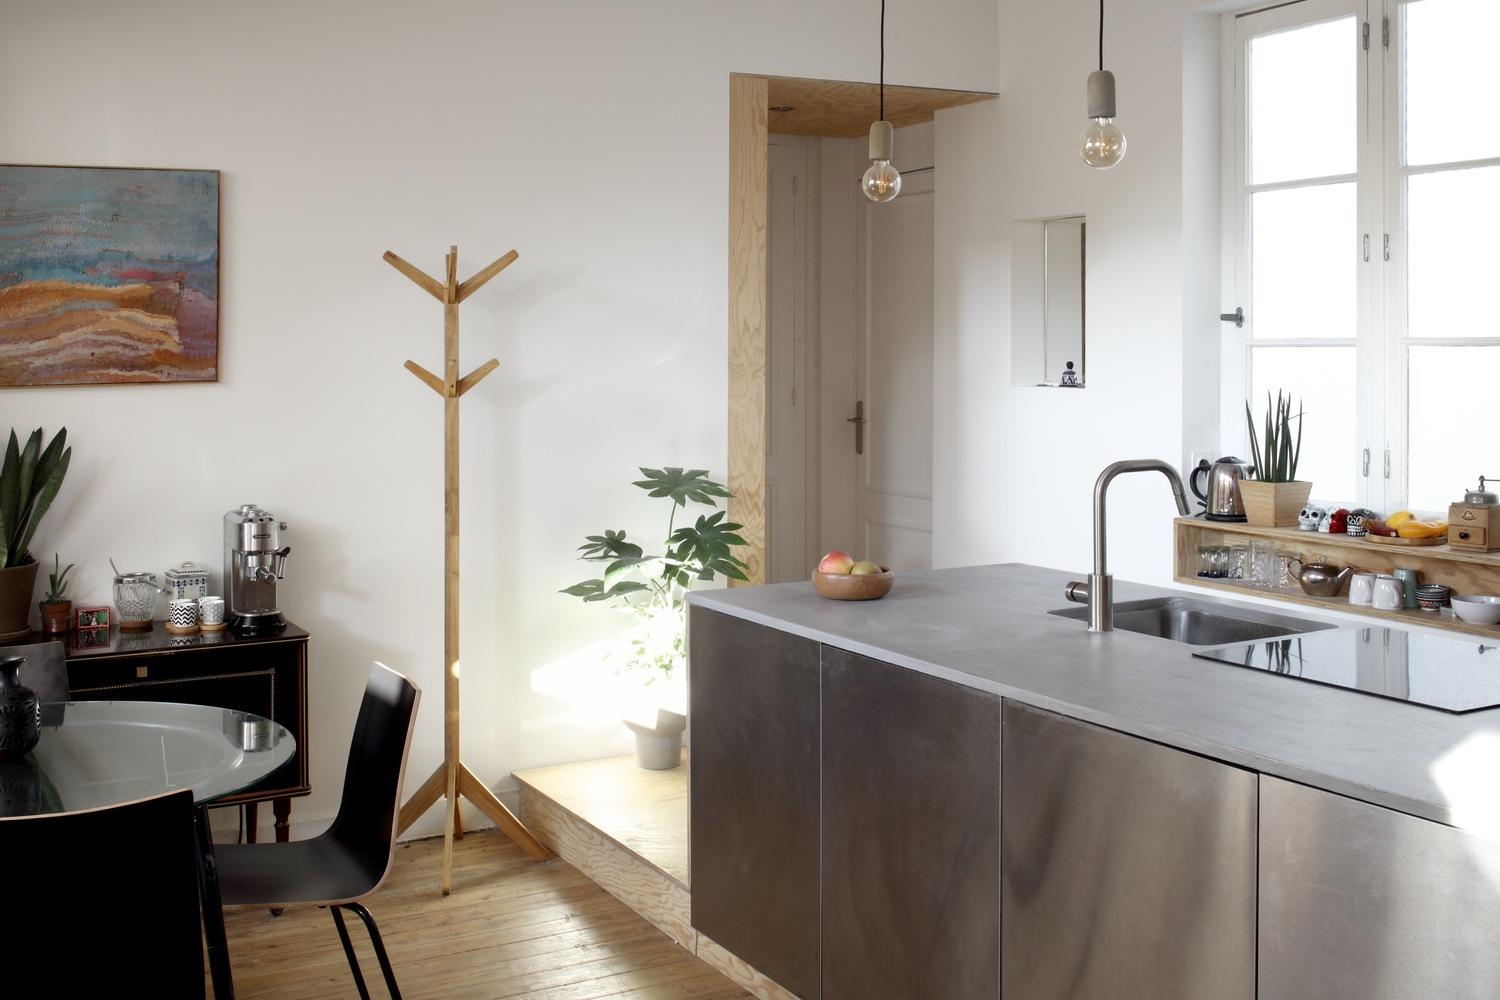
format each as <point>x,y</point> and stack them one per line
<point>1199,623</point>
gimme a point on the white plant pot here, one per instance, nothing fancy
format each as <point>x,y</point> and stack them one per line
<point>658,747</point>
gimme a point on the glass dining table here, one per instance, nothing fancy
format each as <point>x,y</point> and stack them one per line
<point>101,753</point>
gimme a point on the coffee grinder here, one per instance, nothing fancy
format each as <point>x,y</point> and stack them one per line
<point>254,559</point>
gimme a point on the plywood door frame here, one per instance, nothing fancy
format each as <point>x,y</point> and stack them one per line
<point>748,150</point>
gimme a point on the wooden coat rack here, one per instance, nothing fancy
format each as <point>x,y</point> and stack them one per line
<point>453,780</point>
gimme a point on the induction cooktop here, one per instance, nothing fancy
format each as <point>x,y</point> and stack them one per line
<point>1451,674</point>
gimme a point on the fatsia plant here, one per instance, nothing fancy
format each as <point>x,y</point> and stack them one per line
<point>1275,455</point>
<point>29,480</point>
<point>653,586</point>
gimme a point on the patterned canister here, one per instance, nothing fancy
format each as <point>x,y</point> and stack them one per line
<point>187,581</point>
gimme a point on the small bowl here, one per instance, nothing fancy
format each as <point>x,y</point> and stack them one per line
<point>1433,596</point>
<point>1477,609</point>
<point>854,587</point>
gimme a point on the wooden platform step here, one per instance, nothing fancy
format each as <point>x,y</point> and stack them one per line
<point>626,829</point>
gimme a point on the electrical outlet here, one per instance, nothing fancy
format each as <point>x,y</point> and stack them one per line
<point>1195,458</point>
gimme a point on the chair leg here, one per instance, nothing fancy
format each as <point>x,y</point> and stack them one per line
<point>380,955</point>
<point>375,939</point>
<point>359,979</point>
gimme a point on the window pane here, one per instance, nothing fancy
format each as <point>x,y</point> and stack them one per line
<point>1302,262</point>
<point>1452,260</point>
<point>1322,379</point>
<point>1302,102</point>
<point>1451,406</point>
<point>1450,80</point>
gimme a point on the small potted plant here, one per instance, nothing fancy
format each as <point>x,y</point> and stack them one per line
<point>1275,496</point>
<point>56,608</point>
<point>653,590</point>
<point>29,480</point>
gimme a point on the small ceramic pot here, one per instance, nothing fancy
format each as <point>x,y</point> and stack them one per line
<point>211,610</point>
<point>57,616</point>
<point>183,613</point>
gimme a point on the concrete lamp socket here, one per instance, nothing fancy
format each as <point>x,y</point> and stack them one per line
<point>1101,95</point>
<point>882,140</point>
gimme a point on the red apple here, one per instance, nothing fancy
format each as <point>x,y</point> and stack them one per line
<point>864,568</point>
<point>836,562</point>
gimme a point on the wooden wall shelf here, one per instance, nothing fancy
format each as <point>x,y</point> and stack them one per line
<point>1464,571</point>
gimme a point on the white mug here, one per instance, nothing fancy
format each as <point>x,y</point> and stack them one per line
<point>1361,588</point>
<point>211,610</point>
<point>1388,594</point>
<point>183,612</point>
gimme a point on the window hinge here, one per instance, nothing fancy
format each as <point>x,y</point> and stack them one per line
<point>1385,32</point>
<point>1387,246</point>
<point>1388,463</point>
<point>1367,247</point>
<point>1366,33</point>
<point>1366,472</point>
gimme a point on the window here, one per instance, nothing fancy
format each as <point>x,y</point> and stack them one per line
<point>1363,195</point>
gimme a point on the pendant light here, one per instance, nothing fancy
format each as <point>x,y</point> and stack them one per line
<point>882,181</point>
<point>1102,144</point>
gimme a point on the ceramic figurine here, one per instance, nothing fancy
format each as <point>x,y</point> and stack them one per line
<point>1355,527</point>
<point>1336,523</point>
<point>1069,376</point>
<point>1312,517</point>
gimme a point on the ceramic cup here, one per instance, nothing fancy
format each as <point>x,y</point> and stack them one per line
<point>1388,594</point>
<point>211,610</point>
<point>1408,578</point>
<point>183,613</point>
<point>1361,588</point>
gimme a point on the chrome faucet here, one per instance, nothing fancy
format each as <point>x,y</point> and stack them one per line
<point>1099,592</point>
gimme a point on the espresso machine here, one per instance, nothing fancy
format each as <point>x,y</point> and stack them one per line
<point>254,559</point>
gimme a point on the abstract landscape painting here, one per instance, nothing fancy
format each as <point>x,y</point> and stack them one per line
<point>108,274</point>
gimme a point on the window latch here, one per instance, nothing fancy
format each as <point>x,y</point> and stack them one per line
<point>1388,463</point>
<point>1367,247</point>
<point>1387,246</point>
<point>1237,317</point>
<point>1366,472</point>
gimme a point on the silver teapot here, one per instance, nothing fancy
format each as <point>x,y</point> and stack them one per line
<point>1319,579</point>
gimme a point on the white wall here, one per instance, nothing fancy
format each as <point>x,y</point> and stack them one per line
<point>1014,466</point>
<point>591,137</point>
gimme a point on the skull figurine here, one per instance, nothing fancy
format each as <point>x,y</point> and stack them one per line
<point>1357,518</point>
<point>1312,517</point>
<point>1337,522</point>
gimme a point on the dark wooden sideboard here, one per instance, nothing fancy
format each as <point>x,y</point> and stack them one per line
<point>266,675</point>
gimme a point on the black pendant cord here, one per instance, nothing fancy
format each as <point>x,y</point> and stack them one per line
<point>882,57</point>
<point>1101,34</point>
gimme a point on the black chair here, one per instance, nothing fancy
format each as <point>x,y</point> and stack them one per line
<point>103,901</point>
<point>45,670</point>
<point>352,859</point>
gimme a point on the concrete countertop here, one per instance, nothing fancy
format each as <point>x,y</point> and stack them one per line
<point>987,627</point>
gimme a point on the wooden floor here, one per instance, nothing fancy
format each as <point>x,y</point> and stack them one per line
<point>512,928</point>
<point>646,812</point>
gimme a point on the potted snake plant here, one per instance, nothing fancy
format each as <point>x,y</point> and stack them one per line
<point>56,608</point>
<point>29,480</point>
<point>1275,496</point>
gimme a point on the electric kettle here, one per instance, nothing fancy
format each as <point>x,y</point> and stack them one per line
<point>1220,493</point>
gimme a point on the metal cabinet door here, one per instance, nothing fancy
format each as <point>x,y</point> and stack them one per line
<point>1127,868</point>
<point>753,795</point>
<point>1363,903</point>
<point>911,834</point>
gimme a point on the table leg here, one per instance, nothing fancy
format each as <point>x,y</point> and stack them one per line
<point>283,809</point>
<point>252,820</point>
<point>213,911</point>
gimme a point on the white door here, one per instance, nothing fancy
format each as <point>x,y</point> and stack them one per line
<point>790,547</point>
<point>893,371</point>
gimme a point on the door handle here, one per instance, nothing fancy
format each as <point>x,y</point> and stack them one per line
<point>858,420</point>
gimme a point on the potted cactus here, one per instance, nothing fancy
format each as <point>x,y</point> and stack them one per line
<point>56,608</point>
<point>1274,497</point>
<point>29,480</point>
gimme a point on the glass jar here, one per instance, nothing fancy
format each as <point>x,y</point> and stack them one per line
<point>135,600</point>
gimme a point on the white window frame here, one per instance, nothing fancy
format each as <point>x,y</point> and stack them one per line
<point>1382,339</point>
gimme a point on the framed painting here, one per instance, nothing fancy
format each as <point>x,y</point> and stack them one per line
<point>108,275</point>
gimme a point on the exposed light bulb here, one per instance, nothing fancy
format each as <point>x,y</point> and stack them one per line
<point>1102,144</point>
<point>882,181</point>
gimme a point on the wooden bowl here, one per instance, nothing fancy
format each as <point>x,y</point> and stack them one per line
<point>854,587</point>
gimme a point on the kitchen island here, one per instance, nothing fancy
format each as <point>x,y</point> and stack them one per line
<point>879,788</point>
